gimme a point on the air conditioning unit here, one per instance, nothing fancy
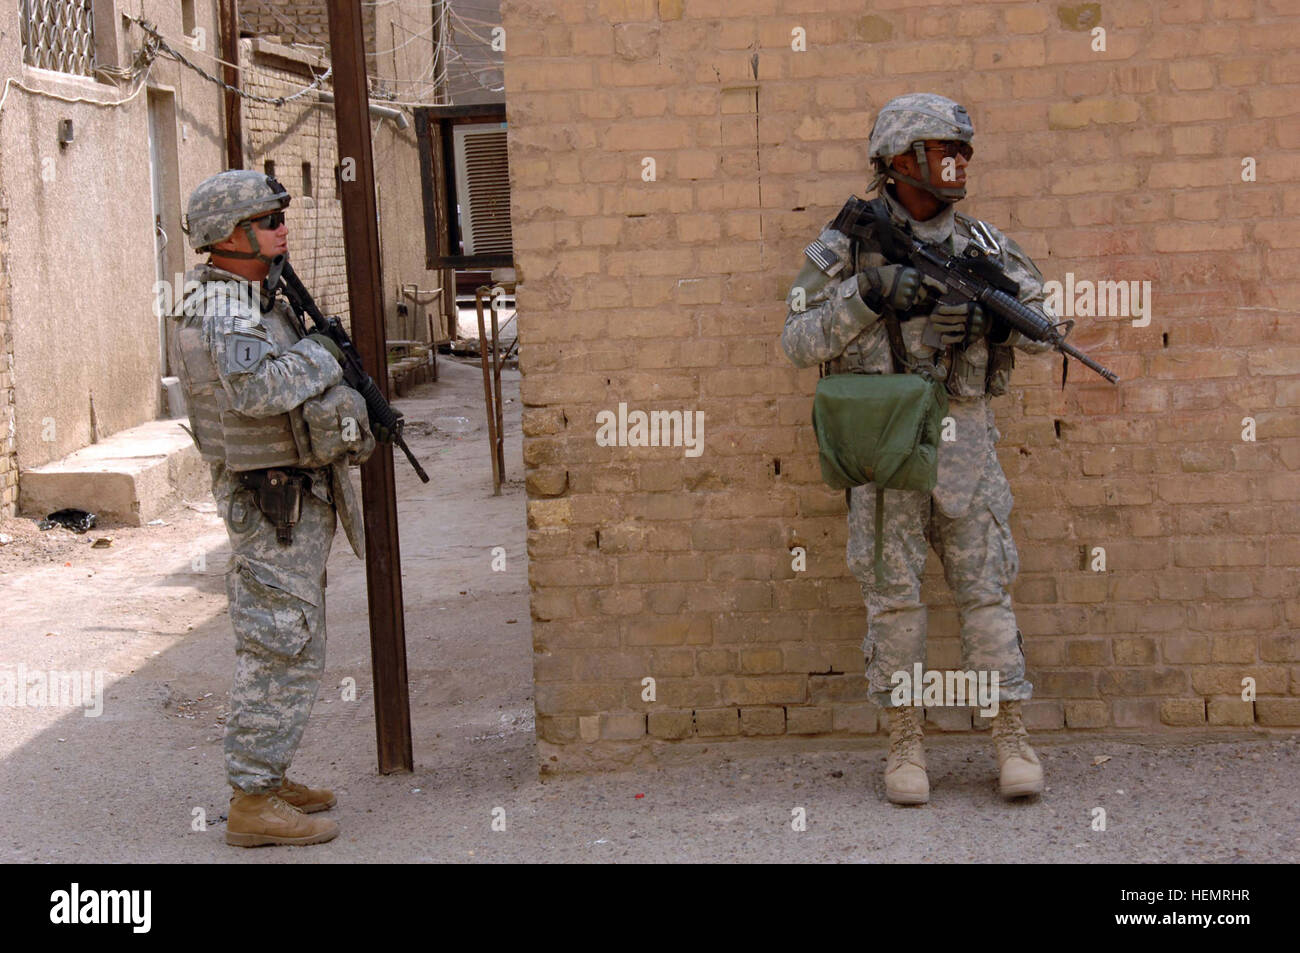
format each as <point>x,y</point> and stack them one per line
<point>483,187</point>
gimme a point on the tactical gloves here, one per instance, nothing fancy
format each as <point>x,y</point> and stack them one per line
<point>890,286</point>
<point>959,322</point>
<point>328,344</point>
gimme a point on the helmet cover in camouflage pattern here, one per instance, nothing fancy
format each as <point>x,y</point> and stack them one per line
<point>917,116</point>
<point>221,202</point>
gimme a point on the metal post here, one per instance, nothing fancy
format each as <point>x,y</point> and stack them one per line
<point>447,276</point>
<point>499,447</point>
<point>487,389</point>
<point>365,297</point>
<point>228,26</point>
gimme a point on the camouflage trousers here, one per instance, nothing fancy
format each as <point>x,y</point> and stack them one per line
<point>277,609</point>
<point>979,562</point>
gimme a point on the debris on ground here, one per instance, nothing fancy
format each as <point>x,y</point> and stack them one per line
<point>79,521</point>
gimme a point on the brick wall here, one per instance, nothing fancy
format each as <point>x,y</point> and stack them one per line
<point>669,294</point>
<point>298,22</point>
<point>289,136</point>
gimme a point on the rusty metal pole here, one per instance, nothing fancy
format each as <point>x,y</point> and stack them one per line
<point>228,27</point>
<point>365,297</point>
<point>500,445</point>
<point>487,389</point>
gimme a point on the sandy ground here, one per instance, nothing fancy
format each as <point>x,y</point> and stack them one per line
<point>150,611</point>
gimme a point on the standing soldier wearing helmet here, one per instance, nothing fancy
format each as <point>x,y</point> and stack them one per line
<point>269,414</point>
<point>846,305</point>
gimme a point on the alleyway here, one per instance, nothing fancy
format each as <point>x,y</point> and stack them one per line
<point>124,786</point>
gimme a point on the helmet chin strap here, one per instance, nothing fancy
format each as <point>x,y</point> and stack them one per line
<point>253,243</point>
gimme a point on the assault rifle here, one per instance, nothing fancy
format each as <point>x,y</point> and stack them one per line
<point>381,412</point>
<point>974,276</point>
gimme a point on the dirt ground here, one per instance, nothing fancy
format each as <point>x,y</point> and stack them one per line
<point>150,611</point>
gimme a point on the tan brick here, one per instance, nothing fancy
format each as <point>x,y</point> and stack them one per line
<point>1087,652</point>
<point>772,689</point>
<point>1234,648</point>
<point>760,661</point>
<point>948,719</point>
<point>717,722</point>
<point>807,721</point>
<point>1092,111</point>
<point>559,730</point>
<point>1143,681</point>
<point>762,721</point>
<point>1278,711</point>
<point>855,719</point>
<point>670,725</point>
<point>1139,651</point>
<point>1228,680</point>
<point>1087,714</point>
<point>1136,712</point>
<point>1191,74</point>
<point>1039,715</point>
<point>547,481</point>
<point>623,726</point>
<point>1230,711</point>
<point>1280,648</point>
<point>1182,711</point>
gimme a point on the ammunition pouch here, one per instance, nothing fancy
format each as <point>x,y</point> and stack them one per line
<point>278,494</point>
<point>1002,359</point>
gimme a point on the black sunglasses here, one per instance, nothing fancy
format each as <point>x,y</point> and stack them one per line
<point>951,149</point>
<point>269,222</point>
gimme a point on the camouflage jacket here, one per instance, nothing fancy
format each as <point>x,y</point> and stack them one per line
<point>837,327</point>
<point>266,367</point>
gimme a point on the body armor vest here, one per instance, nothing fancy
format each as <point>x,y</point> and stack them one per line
<point>980,369</point>
<point>223,434</point>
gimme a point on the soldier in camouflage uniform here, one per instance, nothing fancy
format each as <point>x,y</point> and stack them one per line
<point>919,148</point>
<point>270,415</point>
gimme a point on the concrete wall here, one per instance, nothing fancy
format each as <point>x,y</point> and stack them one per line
<point>80,236</point>
<point>668,294</point>
<point>80,342</point>
<point>8,456</point>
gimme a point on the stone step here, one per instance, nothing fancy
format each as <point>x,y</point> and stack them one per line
<point>131,477</point>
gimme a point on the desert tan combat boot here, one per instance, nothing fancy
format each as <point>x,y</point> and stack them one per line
<point>255,820</point>
<point>1021,772</point>
<point>905,779</point>
<point>308,800</point>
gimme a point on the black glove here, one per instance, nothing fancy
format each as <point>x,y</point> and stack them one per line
<point>328,344</point>
<point>959,322</point>
<point>889,286</point>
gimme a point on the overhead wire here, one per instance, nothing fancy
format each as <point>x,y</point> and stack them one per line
<point>164,48</point>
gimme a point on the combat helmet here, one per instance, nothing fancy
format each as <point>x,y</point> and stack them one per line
<point>904,124</point>
<point>224,201</point>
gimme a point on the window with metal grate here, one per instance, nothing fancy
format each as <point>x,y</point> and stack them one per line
<point>58,35</point>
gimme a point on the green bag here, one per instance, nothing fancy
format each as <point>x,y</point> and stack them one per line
<point>882,429</point>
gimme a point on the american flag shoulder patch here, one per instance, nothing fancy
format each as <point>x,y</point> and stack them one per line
<point>820,254</point>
